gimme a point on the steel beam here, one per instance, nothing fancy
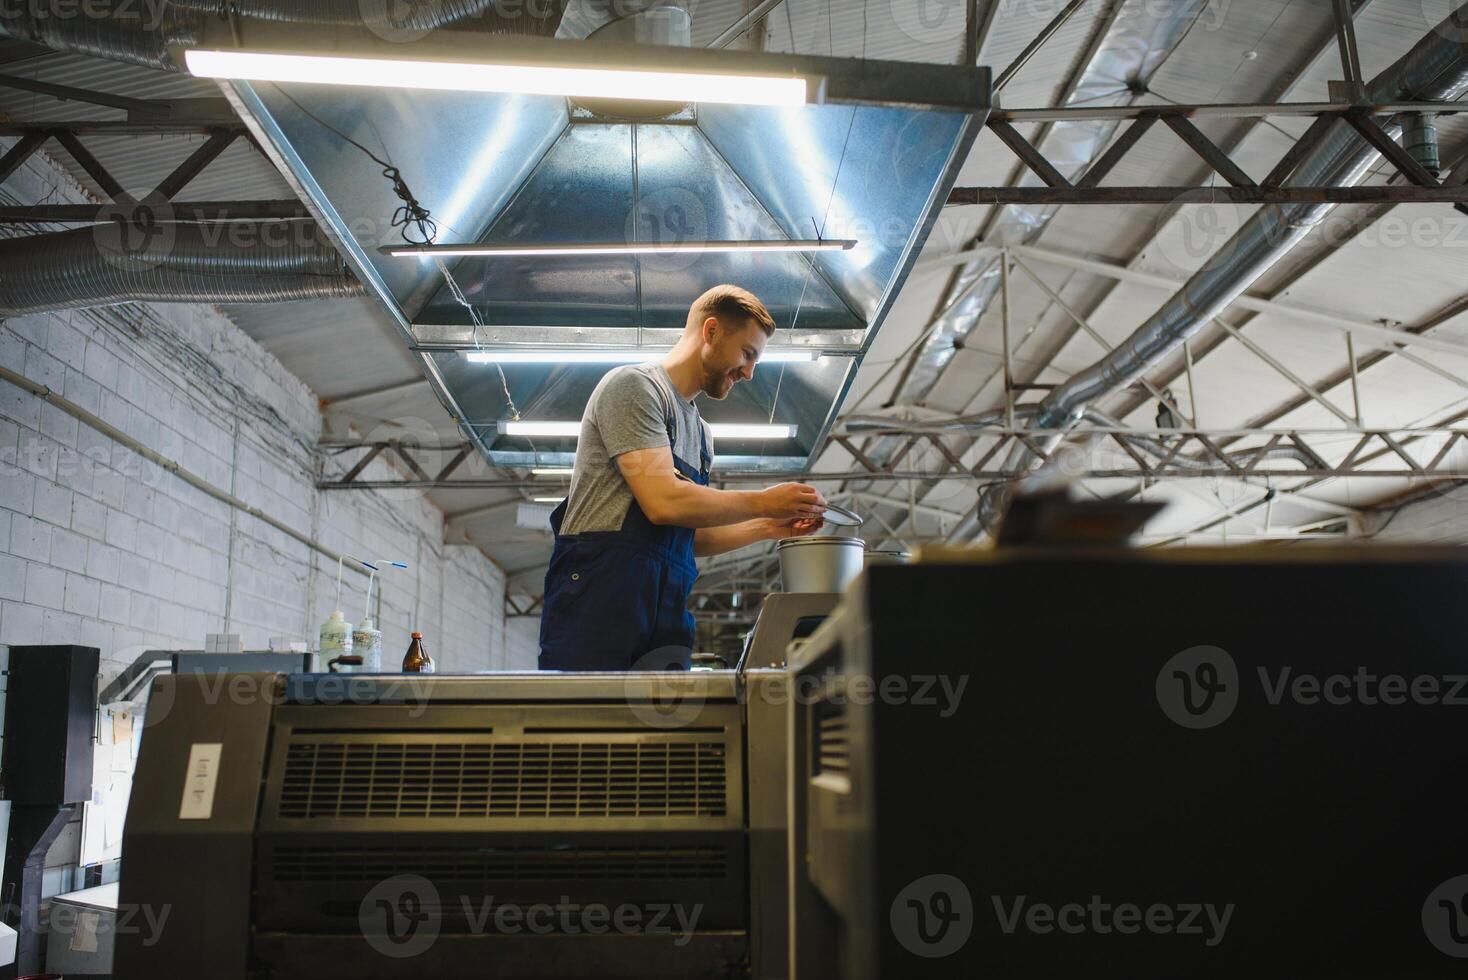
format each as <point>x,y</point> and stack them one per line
<point>1346,38</point>
<point>1026,151</point>
<point>1292,377</point>
<point>18,154</point>
<point>69,93</point>
<point>1219,110</point>
<point>1304,315</point>
<point>737,29</point>
<point>1120,148</point>
<point>173,126</point>
<point>1394,152</point>
<point>1208,151</point>
<point>92,166</point>
<point>1360,194</point>
<point>206,154</point>
<point>1046,32</point>
<point>183,212</point>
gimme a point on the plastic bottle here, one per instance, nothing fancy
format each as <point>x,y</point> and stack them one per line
<point>417,660</point>
<point>336,636</point>
<point>367,643</point>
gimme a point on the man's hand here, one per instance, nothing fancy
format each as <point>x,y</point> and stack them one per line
<point>795,527</point>
<point>792,501</point>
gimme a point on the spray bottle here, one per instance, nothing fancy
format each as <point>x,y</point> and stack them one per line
<point>366,640</point>
<point>336,632</point>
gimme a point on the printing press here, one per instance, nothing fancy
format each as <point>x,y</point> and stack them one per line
<point>910,797</point>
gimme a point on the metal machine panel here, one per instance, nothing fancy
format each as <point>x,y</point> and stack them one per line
<point>767,697</point>
<point>535,766</point>
<point>706,956</point>
<point>1177,763</point>
<point>198,869</point>
<point>49,718</point>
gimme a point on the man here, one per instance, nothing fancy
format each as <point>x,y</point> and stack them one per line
<point>640,507</point>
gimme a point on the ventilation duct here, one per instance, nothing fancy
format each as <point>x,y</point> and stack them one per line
<point>1436,69</point>
<point>141,33</point>
<point>92,267</point>
<point>182,264</point>
<point>1134,49</point>
<point>869,158</point>
<point>634,21</point>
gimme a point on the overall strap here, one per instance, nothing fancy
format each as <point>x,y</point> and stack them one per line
<point>668,398</point>
<point>670,415</point>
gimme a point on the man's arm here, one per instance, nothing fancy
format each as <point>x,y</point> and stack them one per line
<point>709,541</point>
<point>667,499</point>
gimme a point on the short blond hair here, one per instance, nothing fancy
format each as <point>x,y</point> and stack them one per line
<point>729,305</point>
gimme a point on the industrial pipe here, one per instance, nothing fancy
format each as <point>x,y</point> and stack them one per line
<point>177,263</point>
<point>1435,69</point>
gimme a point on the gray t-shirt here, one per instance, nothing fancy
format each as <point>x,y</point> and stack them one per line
<point>628,410</point>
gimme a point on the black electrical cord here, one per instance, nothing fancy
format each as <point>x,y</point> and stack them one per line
<point>411,218</point>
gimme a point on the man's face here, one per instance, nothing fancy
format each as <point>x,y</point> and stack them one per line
<point>729,355</point>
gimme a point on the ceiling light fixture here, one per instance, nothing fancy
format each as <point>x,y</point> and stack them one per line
<point>548,500</point>
<point>721,430</point>
<point>551,471</point>
<point>626,356</point>
<point>622,248</point>
<point>603,83</point>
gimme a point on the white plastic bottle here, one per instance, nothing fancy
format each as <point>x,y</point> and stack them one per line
<point>336,636</point>
<point>367,644</point>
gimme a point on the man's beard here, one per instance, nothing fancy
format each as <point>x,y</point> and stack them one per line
<point>717,384</point>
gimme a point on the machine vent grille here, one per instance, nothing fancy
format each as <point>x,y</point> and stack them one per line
<point>509,864</point>
<point>832,740</point>
<point>504,779</point>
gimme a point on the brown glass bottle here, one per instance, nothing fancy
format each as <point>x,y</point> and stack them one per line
<point>417,660</point>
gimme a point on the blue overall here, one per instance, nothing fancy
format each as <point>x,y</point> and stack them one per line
<point>618,600</point>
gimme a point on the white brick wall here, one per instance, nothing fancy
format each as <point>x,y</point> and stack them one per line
<point>98,545</point>
<point>96,541</point>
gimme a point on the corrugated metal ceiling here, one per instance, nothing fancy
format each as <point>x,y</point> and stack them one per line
<point>1239,52</point>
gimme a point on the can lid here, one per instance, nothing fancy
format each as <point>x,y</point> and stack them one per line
<point>417,635</point>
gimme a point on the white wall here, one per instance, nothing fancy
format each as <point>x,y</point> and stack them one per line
<point>100,547</point>
<point>522,641</point>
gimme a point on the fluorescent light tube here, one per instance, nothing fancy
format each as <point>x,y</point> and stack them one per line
<point>622,248</point>
<point>548,500</point>
<point>737,431</point>
<point>604,83</point>
<point>548,429</point>
<point>551,471</point>
<point>721,430</point>
<point>613,356</point>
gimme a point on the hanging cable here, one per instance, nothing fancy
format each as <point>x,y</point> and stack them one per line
<point>411,218</point>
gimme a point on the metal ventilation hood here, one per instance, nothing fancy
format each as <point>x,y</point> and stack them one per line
<point>873,161</point>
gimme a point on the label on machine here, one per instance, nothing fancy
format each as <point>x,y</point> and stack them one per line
<point>199,780</point>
